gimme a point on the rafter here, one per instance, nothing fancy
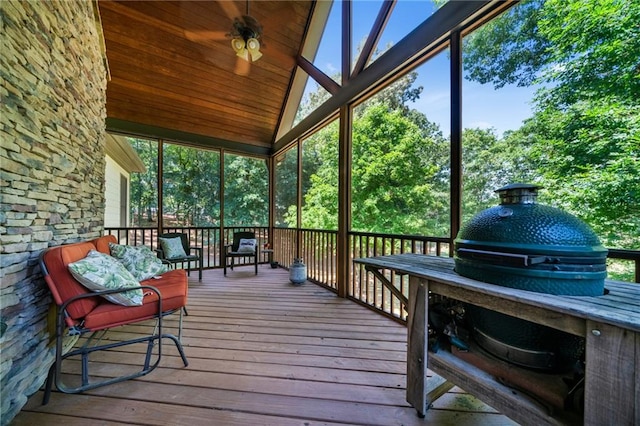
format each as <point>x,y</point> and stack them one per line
<point>321,78</point>
<point>374,36</point>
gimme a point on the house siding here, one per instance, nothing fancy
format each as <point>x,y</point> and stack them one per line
<point>52,165</point>
<point>112,193</point>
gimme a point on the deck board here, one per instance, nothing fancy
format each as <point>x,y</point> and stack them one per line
<point>262,352</point>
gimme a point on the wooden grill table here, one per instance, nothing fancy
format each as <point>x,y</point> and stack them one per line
<point>610,325</point>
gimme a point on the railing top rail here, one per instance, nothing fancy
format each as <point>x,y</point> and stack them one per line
<point>630,254</point>
<point>403,236</point>
<point>625,254</point>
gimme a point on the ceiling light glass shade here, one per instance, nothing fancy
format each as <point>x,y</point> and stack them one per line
<point>237,44</point>
<point>253,46</point>
<point>243,53</point>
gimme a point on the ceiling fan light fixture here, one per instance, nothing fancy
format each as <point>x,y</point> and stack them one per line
<point>245,34</point>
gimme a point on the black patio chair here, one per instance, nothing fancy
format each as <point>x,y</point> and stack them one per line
<point>231,251</point>
<point>188,256</point>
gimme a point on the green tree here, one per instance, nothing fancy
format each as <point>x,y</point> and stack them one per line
<point>191,185</point>
<point>394,175</point>
<point>246,191</point>
<point>144,186</point>
<point>488,163</point>
<point>320,179</point>
<point>400,159</point>
<point>583,142</point>
<point>588,158</point>
<point>286,188</point>
<point>594,52</point>
<point>509,49</point>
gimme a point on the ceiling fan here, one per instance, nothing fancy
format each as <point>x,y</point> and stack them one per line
<point>245,36</point>
<point>243,33</point>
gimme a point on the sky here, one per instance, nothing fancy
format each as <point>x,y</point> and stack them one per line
<point>483,107</point>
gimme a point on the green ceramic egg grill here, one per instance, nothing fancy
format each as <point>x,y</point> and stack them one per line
<point>528,246</point>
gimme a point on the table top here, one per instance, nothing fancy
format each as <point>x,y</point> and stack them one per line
<point>620,307</point>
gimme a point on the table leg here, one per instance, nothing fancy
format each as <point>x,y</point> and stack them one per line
<point>417,344</point>
<point>612,393</point>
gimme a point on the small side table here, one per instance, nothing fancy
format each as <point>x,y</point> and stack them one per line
<point>270,253</point>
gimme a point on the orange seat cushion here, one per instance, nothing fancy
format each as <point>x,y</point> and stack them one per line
<point>173,287</point>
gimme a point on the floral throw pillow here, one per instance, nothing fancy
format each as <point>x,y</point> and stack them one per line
<point>99,271</point>
<point>247,245</point>
<point>172,247</point>
<point>139,260</point>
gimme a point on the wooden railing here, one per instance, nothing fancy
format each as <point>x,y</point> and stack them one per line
<point>318,249</point>
<point>285,245</point>
<point>365,288</point>
<point>209,238</point>
<point>627,256</point>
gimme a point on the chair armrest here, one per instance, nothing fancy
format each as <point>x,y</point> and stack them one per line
<point>77,328</point>
<point>198,253</point>
<point>110,291</point>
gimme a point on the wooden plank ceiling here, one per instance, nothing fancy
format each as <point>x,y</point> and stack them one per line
<point>172,67</point>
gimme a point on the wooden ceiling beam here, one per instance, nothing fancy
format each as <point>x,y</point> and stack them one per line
<point>142,130</point>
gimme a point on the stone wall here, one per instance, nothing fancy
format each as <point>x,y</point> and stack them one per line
<point>52,133</point>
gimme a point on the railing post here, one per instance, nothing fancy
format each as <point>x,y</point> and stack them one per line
<point>456,134</point>
<point>221,241</point>
<point>299,202</point>
<point>344,200</point>
<point>160,178</point>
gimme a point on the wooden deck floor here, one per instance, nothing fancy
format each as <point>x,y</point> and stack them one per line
<point>263,352</point>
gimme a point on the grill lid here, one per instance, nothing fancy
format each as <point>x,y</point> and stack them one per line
<point>520,232</point>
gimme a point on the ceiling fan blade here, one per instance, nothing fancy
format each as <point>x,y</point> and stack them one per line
<point>202,35</point>
<point>280,57</point>
<point>230,8</point>
<point>242,67</point>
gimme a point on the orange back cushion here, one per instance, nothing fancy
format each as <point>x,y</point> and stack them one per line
<point>60,281</point>
<point>102,243</point>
